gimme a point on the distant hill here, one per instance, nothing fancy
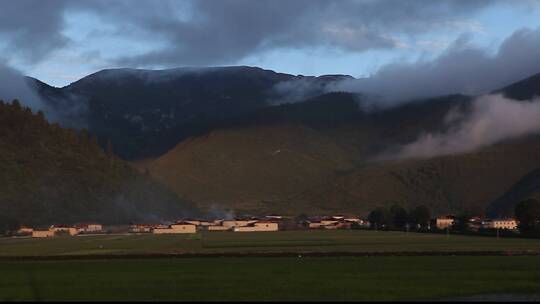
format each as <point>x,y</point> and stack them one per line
<point>225,167</point>
<point>49,174</point>
<point>447,184</point>
<point>524,89</point>
<point>218,137</point>
<point>240,168</point>
<point>145,113</point>
<point>134,108</point>
<point>527,187</point>
<point>296,169</point>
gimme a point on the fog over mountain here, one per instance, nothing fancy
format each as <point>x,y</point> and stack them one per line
<point>13,85</point>
<point>461,69</point>
<point>492,119</point>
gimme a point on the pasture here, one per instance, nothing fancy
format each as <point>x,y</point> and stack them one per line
<point>66,268</point>
<point>352,241</point>
<point>276,278</point>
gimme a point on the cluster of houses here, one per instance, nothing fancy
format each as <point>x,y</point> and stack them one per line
<point>53,230</point>
<point>268,223</point>
<point>476,223</point>
<point>335,222</point>
<point>254,224</point>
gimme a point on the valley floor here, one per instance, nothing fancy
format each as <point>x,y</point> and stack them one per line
<point>312,241</point>
<point>289,278</point>
<point>111,267</point>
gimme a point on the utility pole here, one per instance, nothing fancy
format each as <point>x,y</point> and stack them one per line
<point>498,233</point>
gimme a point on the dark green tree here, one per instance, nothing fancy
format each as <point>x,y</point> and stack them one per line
<point>527,213</point>
<point>84,137</point>
<point>110,152</point>
<point>399,216</point>
<point>8,224</point>
<point>461,222</point>
<point>16,105</point>
<point>379,218</point>
<point>420,216</point>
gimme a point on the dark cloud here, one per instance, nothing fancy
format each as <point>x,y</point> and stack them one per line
<point>31,28</point>
<point>225,31</point>
<point>229,30</point>
<point>461,69</point>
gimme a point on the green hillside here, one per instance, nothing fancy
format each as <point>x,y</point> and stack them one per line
<point>313,156</point>
<point>328,167</point>
<point>53,175</point>
<point>242,168</point>
<point>448,184</point>
<point>527,187</point>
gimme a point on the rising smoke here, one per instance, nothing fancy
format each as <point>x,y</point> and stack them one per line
<point>492,119</point>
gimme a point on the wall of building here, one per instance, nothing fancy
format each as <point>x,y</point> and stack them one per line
<point>258,227</point>
<point>218,228</point>
<point>176,229</point>
<point>444,223</point>
<point>42,233</point>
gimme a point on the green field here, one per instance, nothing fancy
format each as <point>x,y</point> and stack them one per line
<point>324,278</point>
<point>283,241</point>
<point>266,278</point>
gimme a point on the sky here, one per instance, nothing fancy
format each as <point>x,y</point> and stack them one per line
<point>61,41</point>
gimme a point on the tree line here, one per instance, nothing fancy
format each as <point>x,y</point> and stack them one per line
<point>527,214</point>
<point>397,217</point>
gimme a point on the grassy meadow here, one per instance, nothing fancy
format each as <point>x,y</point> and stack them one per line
<point>276,278</point>
<point>266,278</point>
<point>257,242</point>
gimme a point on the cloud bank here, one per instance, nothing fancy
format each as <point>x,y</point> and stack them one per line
<point>461,69</point>
<point>492,119</point>
<point>225,31</point>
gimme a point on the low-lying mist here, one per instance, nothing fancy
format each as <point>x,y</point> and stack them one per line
<point>491,119</point>
<point>13,85</point>
<point>69,110</point>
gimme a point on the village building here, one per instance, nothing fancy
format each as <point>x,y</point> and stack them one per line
<point>475,223</point>
<point>353,220</point>
<point>23,230</point>
<point>141,228</point>
<point>273,217</point>
<point>444,222</point>
<point>89,228</point>
<point>218,228</point>
<point>184,227</point>
<point>42,233</point>
<point>258,226</point>
<point>329,222</point>
<point>314,225</point>
<point>176,228</point>
<point>60,229</point>
<point>509,224</point>
<point>201,223</point>
<point>237,222</point>
<point>334,222</point>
